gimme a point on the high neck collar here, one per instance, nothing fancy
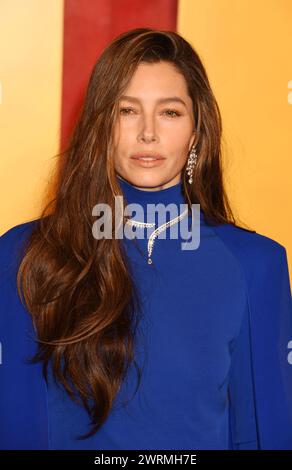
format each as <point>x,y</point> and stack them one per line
<point>172,194</point>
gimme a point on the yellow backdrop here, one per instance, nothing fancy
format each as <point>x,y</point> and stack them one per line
<point>31,35</point>
<point>246,47</point>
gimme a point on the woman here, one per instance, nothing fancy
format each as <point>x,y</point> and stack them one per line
<point>136,343</point>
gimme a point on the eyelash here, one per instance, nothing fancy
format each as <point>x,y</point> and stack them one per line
<point>167,110</point>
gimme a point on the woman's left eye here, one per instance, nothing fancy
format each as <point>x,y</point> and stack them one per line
<point>172,111</point>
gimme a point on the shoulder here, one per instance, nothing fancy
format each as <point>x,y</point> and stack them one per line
<point>12,242</point>
<point>16,233</point>
<point>251,247</point>
<point>264,266</point>
<point>262,260</point>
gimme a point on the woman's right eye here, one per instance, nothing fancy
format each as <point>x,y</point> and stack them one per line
<point>125,109</point>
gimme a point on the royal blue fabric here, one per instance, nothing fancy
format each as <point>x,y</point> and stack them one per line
<point>212,345</point>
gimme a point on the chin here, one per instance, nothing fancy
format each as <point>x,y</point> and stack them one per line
<point>143,180</point>
<point>148,182</point>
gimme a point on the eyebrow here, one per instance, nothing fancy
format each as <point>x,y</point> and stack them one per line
<point>160,100</point>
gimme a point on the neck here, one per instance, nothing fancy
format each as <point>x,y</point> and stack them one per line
<point>155,188</point>
<point>171,195</point>
<point>134,194</point>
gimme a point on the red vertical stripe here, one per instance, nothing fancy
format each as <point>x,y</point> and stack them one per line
<point>89,25</point>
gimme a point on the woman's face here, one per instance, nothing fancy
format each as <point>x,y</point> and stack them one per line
<point>146,124</point>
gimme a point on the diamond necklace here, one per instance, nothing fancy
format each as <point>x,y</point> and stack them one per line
<point>157,231</point>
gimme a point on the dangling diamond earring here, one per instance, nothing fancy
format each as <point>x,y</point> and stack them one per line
<point>192,161</point>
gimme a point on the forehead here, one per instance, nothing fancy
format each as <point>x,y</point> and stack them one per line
<point>157,81</point>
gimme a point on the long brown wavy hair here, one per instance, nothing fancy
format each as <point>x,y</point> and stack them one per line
<point>78,289</point>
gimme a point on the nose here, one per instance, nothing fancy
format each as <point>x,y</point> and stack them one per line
<point>148,133</point>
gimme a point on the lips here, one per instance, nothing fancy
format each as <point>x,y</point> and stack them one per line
<point>147,156</point>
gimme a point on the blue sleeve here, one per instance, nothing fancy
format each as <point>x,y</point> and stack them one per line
<point>242,412</point>
<point>23,412</point>
<point>271,336</point>
<point>261,372</point>
<point>265,268</point>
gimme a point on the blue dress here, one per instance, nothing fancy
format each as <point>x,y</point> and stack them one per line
<point>212,344</point>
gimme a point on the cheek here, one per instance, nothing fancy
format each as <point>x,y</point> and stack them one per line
<point>125,135</point>
<point>121,132</point>
<point>122,151</point>
<point>180,153</point>
<point>122,144</point>
<point>177,137</point>
<point>180,147</point>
